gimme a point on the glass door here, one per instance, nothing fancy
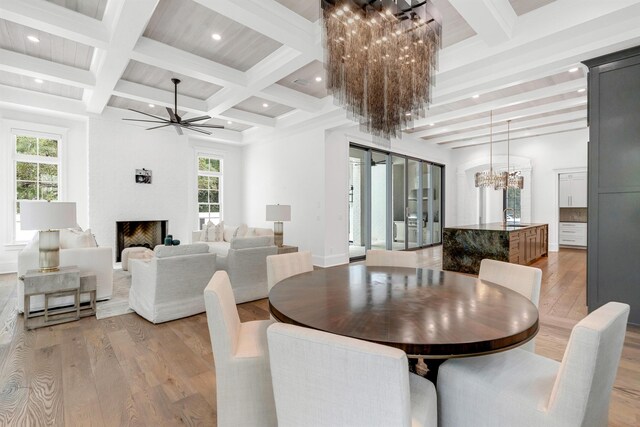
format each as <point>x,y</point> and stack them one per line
<point>358,212</point>
<point>379,200</point>
<point>414,203</point>
<point>435,203</point>
<point>399,206</point>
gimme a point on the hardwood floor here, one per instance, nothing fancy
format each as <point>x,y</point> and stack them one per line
<point>127,371</point>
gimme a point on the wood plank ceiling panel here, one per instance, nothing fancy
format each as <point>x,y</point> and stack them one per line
<point>91,8</point>
<point>159,78</point>
<point>304,80</point>
<point>125,103</point>
<point>256,105</point>
<point>51,48</point>
<point>308,9</point>
<point>188,26</point>
<point>24,82</point>
<point>525,6</point>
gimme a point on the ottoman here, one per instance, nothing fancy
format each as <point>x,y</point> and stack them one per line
<point>137,252</point>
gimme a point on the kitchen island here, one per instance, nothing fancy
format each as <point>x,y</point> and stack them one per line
<point>464,247</point>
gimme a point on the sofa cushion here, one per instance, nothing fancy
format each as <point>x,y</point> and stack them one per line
<point>162,251</point>
<point>229,232</point>
<point>253,232</point>
<point>251,242</point>
<point>219,248</point>
<point>241,231</point>
<point>72,239</point>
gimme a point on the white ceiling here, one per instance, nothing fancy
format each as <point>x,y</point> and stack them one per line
<point>515,55</point>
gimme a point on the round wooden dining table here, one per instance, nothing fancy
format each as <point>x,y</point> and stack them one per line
<point>430,314</point>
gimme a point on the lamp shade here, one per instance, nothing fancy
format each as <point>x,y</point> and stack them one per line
<point>41,215</point>
<point>278,212</point>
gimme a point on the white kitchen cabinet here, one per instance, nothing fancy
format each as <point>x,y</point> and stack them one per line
<point>573,233</point>
<point>573,190</point>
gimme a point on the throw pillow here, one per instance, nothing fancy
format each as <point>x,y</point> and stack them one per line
<point>217,234</point>
<point>229,232</point>
<point>71,238</point>
<point>241,231</point>
<point>204,234</point>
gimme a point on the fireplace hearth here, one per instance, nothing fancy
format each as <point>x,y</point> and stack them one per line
<point>146,234</point>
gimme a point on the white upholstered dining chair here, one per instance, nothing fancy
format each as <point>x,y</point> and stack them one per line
<point>520,278</point>
<point>519,388</point>
<point>321,379</point>
<point>243,378</point>
<point>384,258</point>
<point>280,267</point>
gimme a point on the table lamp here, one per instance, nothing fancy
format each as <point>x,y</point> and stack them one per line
<point>278,213</point>
<point>48,218</point>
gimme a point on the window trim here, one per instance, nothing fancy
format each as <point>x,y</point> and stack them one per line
<point>211,154</point>
<point>11,129</point>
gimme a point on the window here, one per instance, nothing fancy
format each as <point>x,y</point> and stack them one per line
<point>209,189</point>
<point>511,201</point>
<point>37,166</point>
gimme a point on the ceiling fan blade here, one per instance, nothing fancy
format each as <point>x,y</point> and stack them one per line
<point>178,129</point>
<point>150,121</point>
<point>197,130</point>
<point>147,114</point>
<point>196,119</point>
<point>206,126</point>
<point>174,119</point>
<point>157,127</point>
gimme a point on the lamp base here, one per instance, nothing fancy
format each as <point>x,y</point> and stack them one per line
<point>49,256</point>
<point>278,236</point>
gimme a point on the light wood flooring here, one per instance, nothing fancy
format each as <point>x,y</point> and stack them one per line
<point>126,371</point>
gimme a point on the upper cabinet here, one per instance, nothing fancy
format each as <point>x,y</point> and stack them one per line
<point>573,190</point>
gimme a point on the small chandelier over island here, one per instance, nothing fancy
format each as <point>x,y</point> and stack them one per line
<point>381,57</point>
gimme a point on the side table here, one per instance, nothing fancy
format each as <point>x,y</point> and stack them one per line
<point>286,249</point>
<point>63,282</point>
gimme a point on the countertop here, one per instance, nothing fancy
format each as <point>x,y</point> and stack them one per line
<point>495,226</point>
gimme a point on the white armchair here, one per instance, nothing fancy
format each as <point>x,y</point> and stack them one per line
<point>170,285</point>
<point>519,388</point>
<point>321,379</point>
<point>244,394</point>
<point>98,260</point>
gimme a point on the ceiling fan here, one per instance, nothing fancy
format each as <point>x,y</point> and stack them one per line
<point>175,120</point>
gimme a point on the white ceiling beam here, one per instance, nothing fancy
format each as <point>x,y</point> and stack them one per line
<point>293,98</point>
<point>167,57</point>
<point>501,127</point>
<point>548,130</point>
<point>38,101</point>
<point>492,20</point>
<point>53,19</point>
<point>269,18</point>
<point>521,98</point>
<point>497,118</point>
<point>248,118</point>
<point>31,66</point>
<point>126,21</point>
<point>148,94</point>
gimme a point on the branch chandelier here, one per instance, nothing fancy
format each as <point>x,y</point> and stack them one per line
<point>380,57</point>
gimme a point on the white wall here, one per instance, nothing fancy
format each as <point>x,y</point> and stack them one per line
<point>548,156</point>
<point>117,149</point>
<point>73,176</point>
<point>309,170</point>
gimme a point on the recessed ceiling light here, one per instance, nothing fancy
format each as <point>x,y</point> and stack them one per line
<point>476,96</point>
<point>318,79</point>
<point>33,39</point>
<point>151,105</point>
<point>431,124</point>
<point>229,122</point>
<point>573,70</point>
<point>265,105</point>
<point>581,90</point>
<point>39,81</point>
<point>215,36</point>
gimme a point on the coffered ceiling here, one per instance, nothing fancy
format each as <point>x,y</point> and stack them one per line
<point>517,58</point>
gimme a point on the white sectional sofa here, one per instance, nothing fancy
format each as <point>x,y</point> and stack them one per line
<point>244,258</point>
<point>171,284</point>
<point>98,260</point>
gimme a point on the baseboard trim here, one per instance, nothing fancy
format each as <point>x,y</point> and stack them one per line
<point>330,261</point>
<point>553,247</point>
<point>8,267</point>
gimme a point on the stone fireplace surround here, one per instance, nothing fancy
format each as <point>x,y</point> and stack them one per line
<point>139,234</point>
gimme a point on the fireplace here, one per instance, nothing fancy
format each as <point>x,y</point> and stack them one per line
<point>147,234</point>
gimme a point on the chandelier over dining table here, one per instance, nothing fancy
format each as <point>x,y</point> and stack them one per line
<point>380,58</point>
